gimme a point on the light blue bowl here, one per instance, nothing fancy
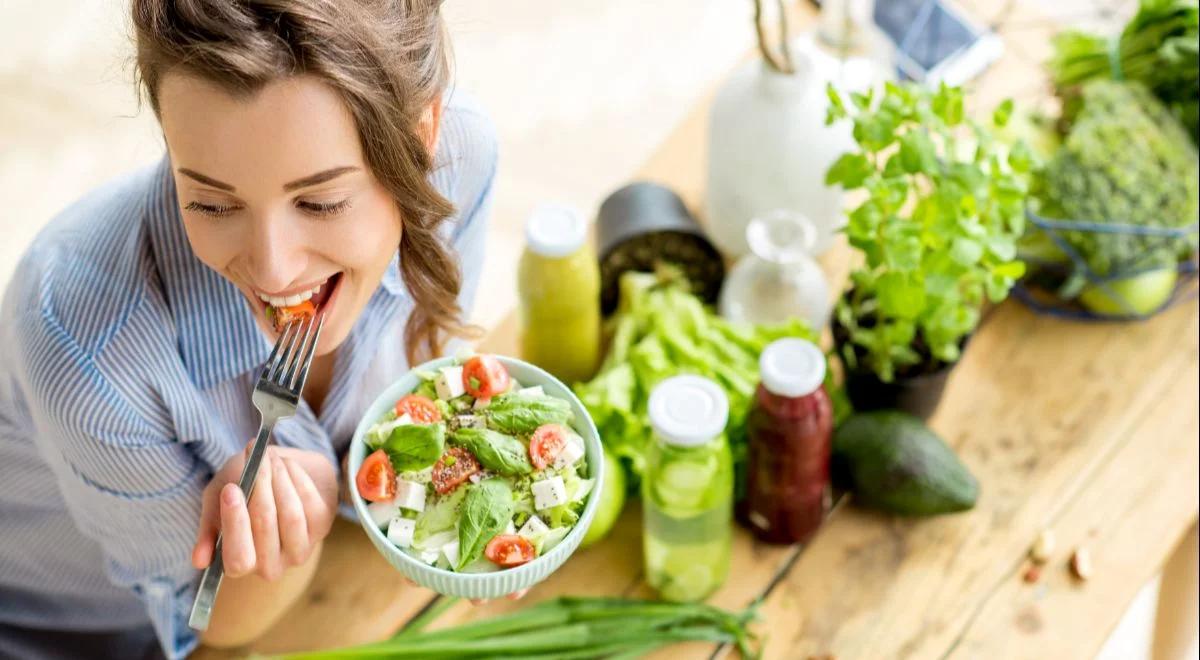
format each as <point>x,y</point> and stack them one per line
<point>506,581</point>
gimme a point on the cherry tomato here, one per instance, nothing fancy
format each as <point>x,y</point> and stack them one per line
<point>547,441</point>
<point>454,467</point>
<point>421,409</point>
<point>285,315</point>
<point>510,550</point>
<point>484,377</point>
<point>376,479</point>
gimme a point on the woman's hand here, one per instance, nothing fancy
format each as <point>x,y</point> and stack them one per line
<point>289,514</point>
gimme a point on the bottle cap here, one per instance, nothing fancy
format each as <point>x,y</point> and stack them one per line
<point>792,367</point>
<point>688,410</point>
<point>555,230</point>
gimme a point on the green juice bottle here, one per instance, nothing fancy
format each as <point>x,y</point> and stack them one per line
<point>558,280</point>
<point>687,490</point>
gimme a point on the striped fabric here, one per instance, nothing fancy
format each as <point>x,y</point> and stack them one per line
<point>125,374</point>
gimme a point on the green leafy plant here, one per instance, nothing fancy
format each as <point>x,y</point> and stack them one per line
<point>937,229</point>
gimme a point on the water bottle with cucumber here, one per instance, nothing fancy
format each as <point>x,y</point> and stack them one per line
<point>687,490</point>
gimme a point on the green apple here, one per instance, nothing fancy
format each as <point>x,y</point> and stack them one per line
<point>612,500</point>
<point>1143,293</point>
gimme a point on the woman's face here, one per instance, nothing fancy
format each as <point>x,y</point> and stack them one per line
<point>276,196</point>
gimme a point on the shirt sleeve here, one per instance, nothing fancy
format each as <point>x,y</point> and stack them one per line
<point>132,490</point>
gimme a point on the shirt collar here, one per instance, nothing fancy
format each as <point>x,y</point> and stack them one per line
<point>217,334</point>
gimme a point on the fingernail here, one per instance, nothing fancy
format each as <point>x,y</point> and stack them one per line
<point>230,495</point>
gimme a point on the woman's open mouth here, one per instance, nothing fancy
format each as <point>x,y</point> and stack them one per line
<point>282,310</point>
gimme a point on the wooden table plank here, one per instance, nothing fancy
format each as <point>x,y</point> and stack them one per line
<point>1128,515</point>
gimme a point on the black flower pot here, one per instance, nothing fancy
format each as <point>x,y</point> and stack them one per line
<point>917,394</point>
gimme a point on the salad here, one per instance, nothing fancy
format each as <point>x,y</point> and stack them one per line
<point>472,472</point>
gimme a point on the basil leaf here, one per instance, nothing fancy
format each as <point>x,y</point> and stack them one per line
<point>486,510</point>
<point>496,451</point>
<point>415,446</point>
<point>522,415</point>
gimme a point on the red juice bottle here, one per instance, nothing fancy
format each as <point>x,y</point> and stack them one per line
<point>790,427</point>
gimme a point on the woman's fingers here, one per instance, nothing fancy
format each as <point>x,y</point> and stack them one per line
<point>264,522</point>
<point>206,535</point>
<point>293,525</point>
<point>316,511</point>
<point>517,595</point>
<point>237,540</point>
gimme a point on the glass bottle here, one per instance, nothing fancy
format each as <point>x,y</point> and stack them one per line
<point>558,281</point>
<point>687,490</point>
<point>779,280</point>
<point>789,432</point>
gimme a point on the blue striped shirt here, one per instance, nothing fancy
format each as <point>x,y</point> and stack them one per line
<point>126,367</point>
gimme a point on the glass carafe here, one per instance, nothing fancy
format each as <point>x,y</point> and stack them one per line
<point>780,279</point>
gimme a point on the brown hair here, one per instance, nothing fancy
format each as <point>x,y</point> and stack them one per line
<point>389,61</point>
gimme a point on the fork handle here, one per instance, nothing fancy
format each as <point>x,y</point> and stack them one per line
<point>211,581</point>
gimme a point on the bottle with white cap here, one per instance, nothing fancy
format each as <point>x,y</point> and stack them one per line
<point>687,490</point>
<point>558,281</point>
<point>789,429</point>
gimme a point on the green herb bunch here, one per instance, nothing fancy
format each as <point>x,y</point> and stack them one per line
<point>938,228</point>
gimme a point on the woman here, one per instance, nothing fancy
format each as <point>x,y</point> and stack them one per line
<point>313,152</point>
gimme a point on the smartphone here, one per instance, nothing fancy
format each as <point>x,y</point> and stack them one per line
<point>935,40</point>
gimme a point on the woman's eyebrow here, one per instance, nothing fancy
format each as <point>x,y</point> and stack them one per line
<point>310,180</point>
<point>319,177</point>
<point>206,180</point>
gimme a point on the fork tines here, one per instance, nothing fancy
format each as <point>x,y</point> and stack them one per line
<point>289,361</point>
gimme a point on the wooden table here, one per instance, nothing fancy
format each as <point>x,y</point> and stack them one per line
<point>1086,429</point>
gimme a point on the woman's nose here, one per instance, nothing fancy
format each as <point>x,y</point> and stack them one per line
<point>276,255</point>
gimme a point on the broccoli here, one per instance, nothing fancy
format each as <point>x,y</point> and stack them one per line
<point>1125,160</point>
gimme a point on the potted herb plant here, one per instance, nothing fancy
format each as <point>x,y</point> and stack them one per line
<point>937,229</point>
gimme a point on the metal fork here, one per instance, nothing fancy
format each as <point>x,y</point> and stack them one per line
<point>275,395</point>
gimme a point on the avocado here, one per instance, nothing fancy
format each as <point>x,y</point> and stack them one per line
<point>892,462</point>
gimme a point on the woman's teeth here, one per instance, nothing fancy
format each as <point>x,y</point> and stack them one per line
<point>288,301</point>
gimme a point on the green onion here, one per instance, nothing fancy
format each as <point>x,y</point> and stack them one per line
<point>566,628</point>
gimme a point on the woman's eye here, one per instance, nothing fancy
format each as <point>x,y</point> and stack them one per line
<point>215,210</point>
<point>323,208</point>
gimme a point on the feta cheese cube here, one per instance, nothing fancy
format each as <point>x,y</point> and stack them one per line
<point>510,528</point>
<point>381,512</point>
<point>536,390</point>
<point>533,527</point>
<point>481,403</point>
<point>548,493</point>
<point>571,452</point>
<point>430,556</point>
<point>449,383</point>
<point>410,495</point>
<point>450,550</point>
<point>400,531</point>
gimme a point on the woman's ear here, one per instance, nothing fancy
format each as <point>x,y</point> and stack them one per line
<point>431,124</point>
